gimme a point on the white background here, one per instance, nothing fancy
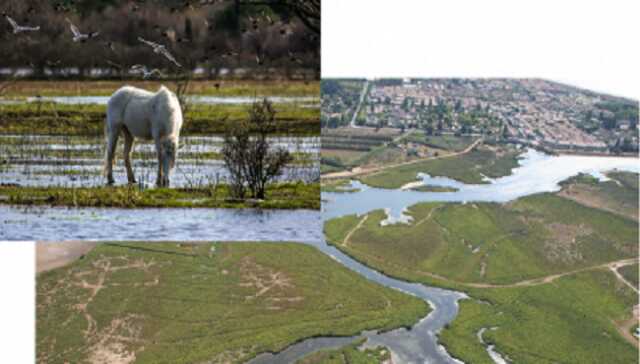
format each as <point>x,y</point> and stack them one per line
<point>17,302</point>
<point>592,44</point>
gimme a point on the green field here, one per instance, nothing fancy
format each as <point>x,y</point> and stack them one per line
<point>63,119</point>
<point>214,302</point>
<point>568,321</point>
<point>278,196</point>
<point>450,143</point>
<point>349,354</point>
<point>535,268</point>
<point>488,243</point>
<point>468,168</point>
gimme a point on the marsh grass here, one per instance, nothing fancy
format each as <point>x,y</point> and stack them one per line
<point>571,319</point>
<point>88,119</point>
<point>278,196</point>
<point>468,168</point>
<point>187,303</point>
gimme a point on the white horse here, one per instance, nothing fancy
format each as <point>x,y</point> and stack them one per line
<point>141,114</point>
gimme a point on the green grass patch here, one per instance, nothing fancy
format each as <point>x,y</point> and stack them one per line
<point>487,242</point>
<point>63,119</point>
<point>450,143</point>
<point>568,321</point>
<point>278,196</point>
<point>220,302</point>
<point>467,168</point>
<point>338,186</point>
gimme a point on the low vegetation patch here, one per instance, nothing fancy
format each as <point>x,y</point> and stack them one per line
<point>278,196</point>
<point>619,194</point>
<point>65,119</point>
<point>568,321</point>
<point>450,143</point>
<point>338,186</point>
<point>489,243</point>
<point>469,168</point>
<point>432,188</point>
<point>214,302</point>
<point>536,269</point>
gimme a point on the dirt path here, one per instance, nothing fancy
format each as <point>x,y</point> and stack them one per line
<point>553,277</point>
<point>345,242</point>
<point>525,283</point>
<point>428,217</point>
<point>51,255</point>
<point>614,268</point>
<point>358,171</point>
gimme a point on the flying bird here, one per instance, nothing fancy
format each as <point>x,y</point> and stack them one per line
<point>80,37</point>
<point>19,28</point>
<point>160,49</point>
<point>138,68</point>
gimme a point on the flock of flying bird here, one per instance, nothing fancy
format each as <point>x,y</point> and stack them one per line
<point>157,48</point>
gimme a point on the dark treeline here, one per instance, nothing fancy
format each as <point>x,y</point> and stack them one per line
<point>259,37</point>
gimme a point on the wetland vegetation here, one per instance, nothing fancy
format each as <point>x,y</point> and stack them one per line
<point>52,118</point>
<point>278,196</point>
<point>202,297</point>
<point>469,168</point>
<point>538,269</point>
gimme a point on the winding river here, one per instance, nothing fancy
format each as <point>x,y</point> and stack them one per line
<point>537,172</point>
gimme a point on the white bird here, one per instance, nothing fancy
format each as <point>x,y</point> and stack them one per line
<point>160,49</point>
<point>19,28</point>
<point>80,37</point>
<point>138,68</point>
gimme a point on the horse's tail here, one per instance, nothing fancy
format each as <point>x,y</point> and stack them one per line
<point>107,141</point>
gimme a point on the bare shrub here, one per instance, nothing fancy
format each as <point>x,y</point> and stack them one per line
<point>251,160</point>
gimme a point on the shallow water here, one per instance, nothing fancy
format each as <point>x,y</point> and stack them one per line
<point>156,224</point>
<point>495,356</point>
<point>77,161</point>
<point>537,173</point>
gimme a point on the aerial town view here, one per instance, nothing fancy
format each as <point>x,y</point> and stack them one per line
<point>509,205</point>
<point>533,112</point>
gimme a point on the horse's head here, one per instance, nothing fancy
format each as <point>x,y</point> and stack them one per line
<point>169,156</point>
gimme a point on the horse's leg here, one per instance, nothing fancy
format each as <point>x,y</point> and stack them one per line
<point>159,181</point>
<point>128,147</point>
<point>112,143</point>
